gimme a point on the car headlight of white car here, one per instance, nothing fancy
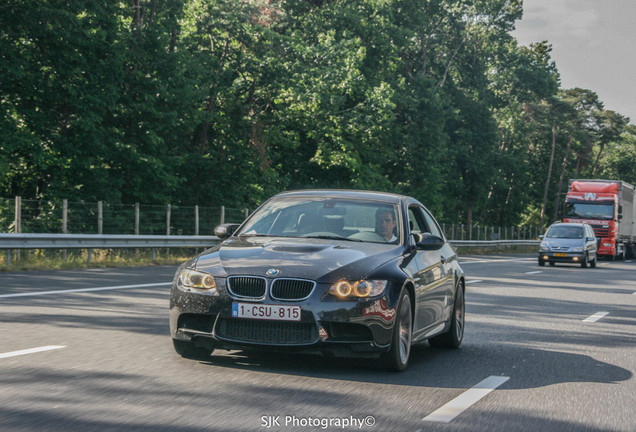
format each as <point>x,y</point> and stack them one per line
<point>577,248</point>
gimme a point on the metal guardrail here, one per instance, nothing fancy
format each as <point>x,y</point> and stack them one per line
<point>494,243</point>
<point>116,241</point>
<point>102,241</point>
<point>11,242</point>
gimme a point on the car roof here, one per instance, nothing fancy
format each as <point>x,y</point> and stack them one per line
<point>575,224</point>
<point>346,193</point>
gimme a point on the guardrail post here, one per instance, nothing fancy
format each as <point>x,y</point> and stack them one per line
<point>137,225</point>
<point>64,224</point>
<point>8,257</point>
<point>100,226</point>
<point>247,213</point>
<point>222,214</point>
<point>100,217</point>
<point>196,220</point>
<point>168,211</point>
<point>17,222</point>
<point>137,219</point>
<point>17,226</point>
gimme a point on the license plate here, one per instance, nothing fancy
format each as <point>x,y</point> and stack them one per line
<point>267,312</point>
<point>560,254</point>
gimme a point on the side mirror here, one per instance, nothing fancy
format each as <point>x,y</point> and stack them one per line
<point>428,241</point>
<point>541,236</point>
<point>225,230</point>
<point>590,239</point>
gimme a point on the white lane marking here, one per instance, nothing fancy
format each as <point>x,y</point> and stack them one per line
<point>83,290</point>
<point>627,261</point>
<point>597,316</point>
<point>473,281</point>
<point>497,260</point>
<point>534,272</point>
<point>31,351</point>
<point>465,400</point>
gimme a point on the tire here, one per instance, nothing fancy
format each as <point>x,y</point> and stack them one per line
<point>585,261</point>
<point>552,263</point>
<point>189,350</point>
<point>397,358</point>
<point>593,263</point>
<point>541,263</point>
<point>455,334</point>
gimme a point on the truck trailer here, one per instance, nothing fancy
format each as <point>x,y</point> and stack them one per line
<point>608,206</point>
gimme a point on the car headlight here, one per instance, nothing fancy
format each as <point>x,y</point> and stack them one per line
<point>198,280</point>
<point>577,248</point>
<point>543,247</point>
<point>361,288</point>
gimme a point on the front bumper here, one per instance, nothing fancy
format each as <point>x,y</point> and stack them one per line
<point>351,328</point>
<point>562,257</point>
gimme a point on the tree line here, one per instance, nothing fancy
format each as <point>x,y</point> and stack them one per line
<point>227,102</point>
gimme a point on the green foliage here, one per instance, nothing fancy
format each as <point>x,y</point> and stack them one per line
<point>226,102</point>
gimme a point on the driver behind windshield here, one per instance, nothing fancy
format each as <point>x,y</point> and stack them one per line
<point>385,224</point>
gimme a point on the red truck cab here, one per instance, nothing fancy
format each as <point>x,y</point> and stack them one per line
<point>608,206</point>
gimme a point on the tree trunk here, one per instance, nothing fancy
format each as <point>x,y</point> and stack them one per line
<point>469,214</point>
<point>547,181</point>
<point>560,186</point>
<point>137,14</point>
<point>598,156</point>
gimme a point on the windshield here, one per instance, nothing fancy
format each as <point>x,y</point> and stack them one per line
<point>569,232</point>
<point>587,210</point>
<point>330,218</point>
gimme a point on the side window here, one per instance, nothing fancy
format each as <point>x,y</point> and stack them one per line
<point>432,225</point>
<point>416,220</point>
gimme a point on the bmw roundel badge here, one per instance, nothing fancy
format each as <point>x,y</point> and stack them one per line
<point>272,272</point>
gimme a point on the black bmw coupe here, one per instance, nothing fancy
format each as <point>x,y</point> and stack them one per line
<point>338,272</point>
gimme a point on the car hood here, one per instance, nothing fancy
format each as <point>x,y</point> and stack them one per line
<point>562,242</point>
<point>314,259</point>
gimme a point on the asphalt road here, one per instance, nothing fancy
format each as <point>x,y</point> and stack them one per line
<point>545,349</point>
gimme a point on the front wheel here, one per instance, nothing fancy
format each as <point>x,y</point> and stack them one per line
<point>455,334</point>
<point>541,263</point>
<point>585,261</point>
<point>397,358</point>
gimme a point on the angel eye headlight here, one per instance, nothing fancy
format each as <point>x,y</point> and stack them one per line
<point>198,280</point>
<point>362,288</point>
<point>343,288</point>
